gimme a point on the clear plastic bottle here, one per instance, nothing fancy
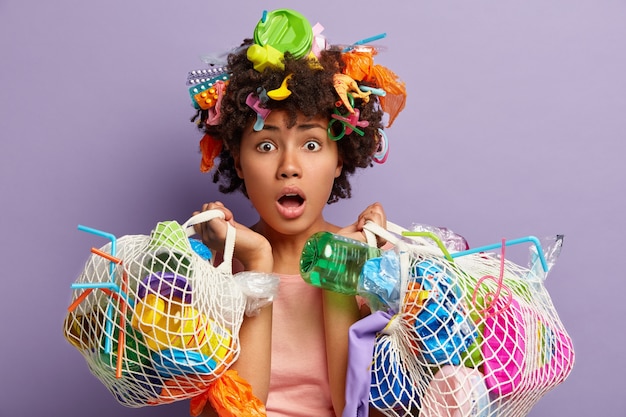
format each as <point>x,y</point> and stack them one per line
<point>333,262</point>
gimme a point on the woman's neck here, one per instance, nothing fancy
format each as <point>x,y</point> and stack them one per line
<point>287,248</point>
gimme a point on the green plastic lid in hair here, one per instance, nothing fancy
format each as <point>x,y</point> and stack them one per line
<point>285,30</point>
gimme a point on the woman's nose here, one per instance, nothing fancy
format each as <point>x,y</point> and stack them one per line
<point>289,166</point>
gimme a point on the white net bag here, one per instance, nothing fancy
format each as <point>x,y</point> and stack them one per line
<point>155,321</point>
<point>472,334</point>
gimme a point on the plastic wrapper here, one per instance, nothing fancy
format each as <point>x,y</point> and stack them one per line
<point>260,289</point>
<point>379,282</point>
<point>551,250</point>
<point>452,241</point>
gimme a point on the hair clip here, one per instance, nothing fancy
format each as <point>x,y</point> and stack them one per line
<point>382,152</point>
<point>376,91</point>
<point>261,113</point>
<point>262,93</point>
<point>350,122</point>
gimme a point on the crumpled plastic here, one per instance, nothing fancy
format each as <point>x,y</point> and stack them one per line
<point>379,282</point>
<point>210,148</point>
<point>551,247</point>
<point>230,396</point>
<point>259,288</point>
<point>451,240</point>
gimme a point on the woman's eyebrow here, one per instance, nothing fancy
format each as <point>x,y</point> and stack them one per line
<point>270,127</point>
<point>313,125</point>
<point>302,126</point>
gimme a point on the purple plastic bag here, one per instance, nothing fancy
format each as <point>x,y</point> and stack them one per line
<point>362,336</point>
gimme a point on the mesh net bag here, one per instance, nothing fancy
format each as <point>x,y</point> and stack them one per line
<point>155,321</point>
<point>472,334</point>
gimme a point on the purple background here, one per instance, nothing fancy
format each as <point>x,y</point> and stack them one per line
<point>515,125</point>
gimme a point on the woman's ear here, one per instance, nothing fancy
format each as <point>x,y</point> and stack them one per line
<point>237,160</point>
<point>339,167</point>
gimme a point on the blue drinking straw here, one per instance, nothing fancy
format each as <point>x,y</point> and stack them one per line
<point>531,239</point>
<point>364,41</point>
<point>109,323</point>
<point>450,256</point>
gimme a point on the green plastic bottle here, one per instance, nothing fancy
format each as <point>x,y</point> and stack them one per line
<point>333,262</point>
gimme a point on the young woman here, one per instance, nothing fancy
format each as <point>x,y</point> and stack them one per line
<point>282,143</point>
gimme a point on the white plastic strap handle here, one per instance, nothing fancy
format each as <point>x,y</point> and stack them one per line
<point>372,230</point>
<point>370,236</point>
<point>391,234</point>
<point>229,244</point>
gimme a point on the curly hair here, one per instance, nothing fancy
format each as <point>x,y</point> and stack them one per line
<point>312,94</point>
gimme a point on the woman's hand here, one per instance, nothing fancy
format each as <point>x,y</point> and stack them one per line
<point>342,311</point>
<point>375,213</point>
<point>251,249</point>
<point>255,253</point>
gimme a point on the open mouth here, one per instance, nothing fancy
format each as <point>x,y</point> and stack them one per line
<point>291,200</point>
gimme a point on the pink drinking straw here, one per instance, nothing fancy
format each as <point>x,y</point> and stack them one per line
<point>492,298</point>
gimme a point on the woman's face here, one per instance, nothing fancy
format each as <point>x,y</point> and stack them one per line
<point>289,171</point>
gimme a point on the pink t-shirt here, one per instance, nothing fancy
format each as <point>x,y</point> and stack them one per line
<point>299,376</point>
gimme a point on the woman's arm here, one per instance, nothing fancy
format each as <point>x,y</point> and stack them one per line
<point>342,311</point>
<point>255,335</point>
<point>255,253</point>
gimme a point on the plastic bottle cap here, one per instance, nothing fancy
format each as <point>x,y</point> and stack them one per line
<point>287,31</point>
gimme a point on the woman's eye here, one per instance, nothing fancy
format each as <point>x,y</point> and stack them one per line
<point>312,145</point>
<point>266,147</point>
